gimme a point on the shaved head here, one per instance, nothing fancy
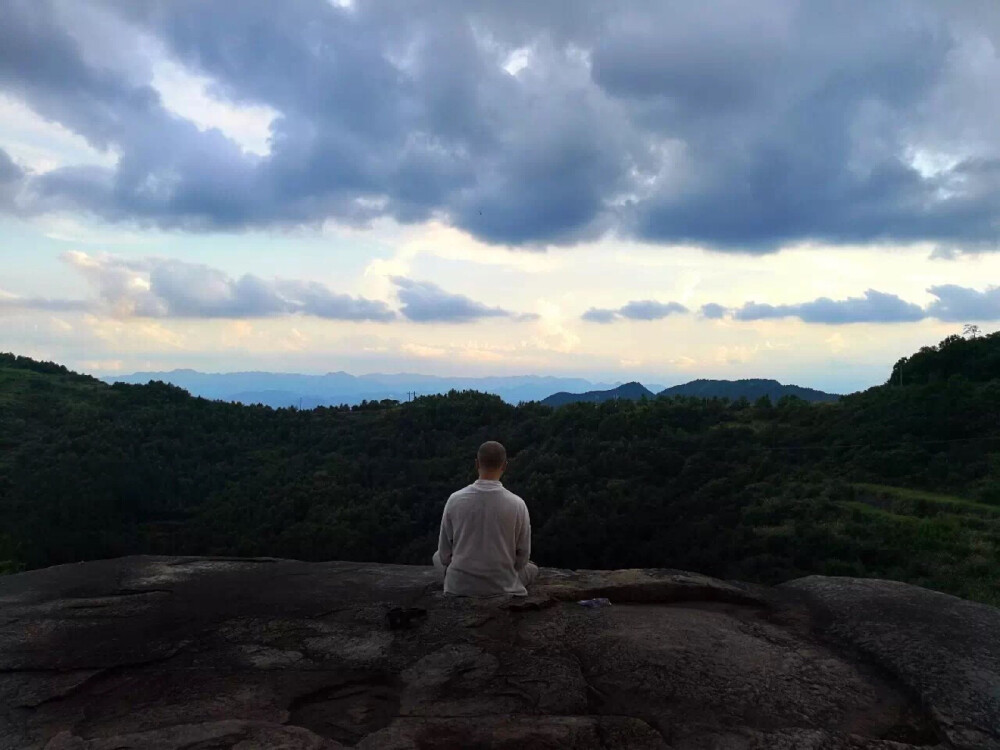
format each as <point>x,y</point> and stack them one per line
<point>491,456</point>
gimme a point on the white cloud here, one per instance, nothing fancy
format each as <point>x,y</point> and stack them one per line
<point>190,95</point>
<point>40,145</point>
<point>553,332</point>
<point>60,325</point>
<point>103,365</point>
<point>423,351</point>
<point>435,240</point>
<point>296,341</point>
<point>76,229</point>
<point>517,60</point>
<point>836,342</point>
<point>133,335</point>
<point>163,287</point>
<point>426,302</point>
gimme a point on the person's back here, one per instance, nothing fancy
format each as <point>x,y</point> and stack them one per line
<point>485,540</point>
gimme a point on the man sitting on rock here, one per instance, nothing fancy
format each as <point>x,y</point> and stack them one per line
<point>485,539</point>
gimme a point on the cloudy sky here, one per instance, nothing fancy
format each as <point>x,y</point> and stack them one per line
<point>649,190</point>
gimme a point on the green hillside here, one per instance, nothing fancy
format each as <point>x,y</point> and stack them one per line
<point>898,481</point>
<point>628,391</point>
<point>749,388</point>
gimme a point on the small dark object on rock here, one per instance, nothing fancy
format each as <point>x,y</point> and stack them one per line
<point>400,619</point>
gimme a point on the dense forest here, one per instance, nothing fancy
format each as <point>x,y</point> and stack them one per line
<point>754,388</point>
<point>900,481</point>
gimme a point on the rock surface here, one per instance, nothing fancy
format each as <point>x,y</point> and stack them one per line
<point>946,649</point>
<point>203,654</point>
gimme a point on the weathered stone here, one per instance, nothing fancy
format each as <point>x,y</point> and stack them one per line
<point>944,649</point>
<point>785,739</point>
<point>238,735</point>
<point>167,653</point>
<point>517,733</point>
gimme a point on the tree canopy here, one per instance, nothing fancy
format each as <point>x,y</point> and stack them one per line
<point>897,481</point>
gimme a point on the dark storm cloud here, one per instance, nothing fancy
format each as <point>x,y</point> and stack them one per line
<point>961,305</point>
<point>646,309</point>
<point>9,171</point>
<point>727,124</point>
<point>11,176</point>
<point>600,315</point>
<point>189,290</point>
<point>712,311</point>
<point>167,288</point>
<point>873,307</point>
<point>161,288</point>
<point>945,252</point>
<point>424,302</point>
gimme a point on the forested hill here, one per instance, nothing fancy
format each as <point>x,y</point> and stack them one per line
<point>334,388</point>
<point>899,482</point>
<point>751,388</point>
<point>975,358</point>
<point>628,391</point>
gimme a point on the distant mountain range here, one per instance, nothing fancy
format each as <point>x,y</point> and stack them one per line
<point>631,391</point>
<point>334,388</point>
<point>751,389</point>
<point>278,389</point>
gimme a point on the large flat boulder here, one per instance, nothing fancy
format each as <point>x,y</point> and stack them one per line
<point>945,650</point>
<point>206,653</point>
